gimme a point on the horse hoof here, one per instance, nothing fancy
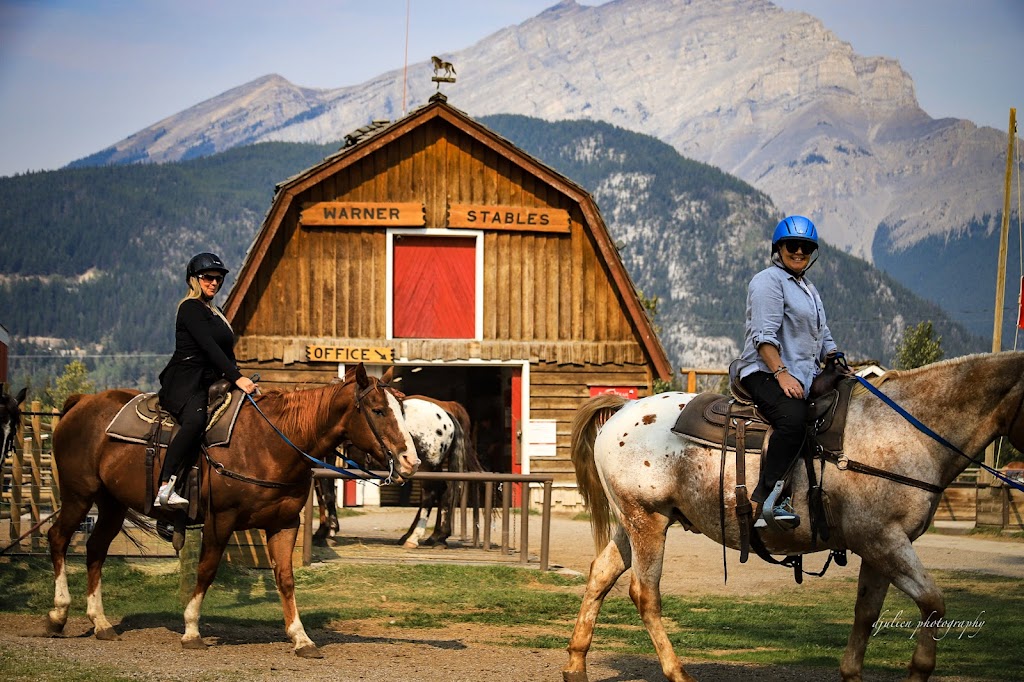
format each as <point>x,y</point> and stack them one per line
<point>54,629</point>
<point>107,635</point>
<point>193,644</point>
<point>308,651</point>
<point>574,676</point>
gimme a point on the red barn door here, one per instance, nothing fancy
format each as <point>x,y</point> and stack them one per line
<point>434,287</point>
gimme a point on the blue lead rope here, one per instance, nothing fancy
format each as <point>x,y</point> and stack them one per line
<point>364,475</point>
<point>939,439</point>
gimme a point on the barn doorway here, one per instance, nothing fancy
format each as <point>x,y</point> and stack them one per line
<point>485,392</point>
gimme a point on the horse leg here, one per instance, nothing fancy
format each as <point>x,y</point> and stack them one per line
<point>647,538</point>
<point>215,540</point>
<point>320,536</point>
<point>412,527</point>
<point>914,581</point>
<point>872,587</point>
<point>281,544</point>
<point>605,569</point>
<point>71,515</point>
<point>109,521</point>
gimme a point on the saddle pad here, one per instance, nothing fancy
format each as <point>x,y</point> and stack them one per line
<point>134,421</point>
<point>703,419</point>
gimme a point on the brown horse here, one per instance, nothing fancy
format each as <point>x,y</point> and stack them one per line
<point>262,481</point>
<point>628,462</point>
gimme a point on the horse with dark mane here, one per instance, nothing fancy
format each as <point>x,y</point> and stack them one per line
<point>882,494</point>
<point>258,480</point>
<point>440,431</point>
<point>10,418</point>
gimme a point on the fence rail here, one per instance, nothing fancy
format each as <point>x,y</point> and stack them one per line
<point>488,479</point>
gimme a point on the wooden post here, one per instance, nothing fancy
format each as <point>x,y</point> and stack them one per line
<point>985,478</point>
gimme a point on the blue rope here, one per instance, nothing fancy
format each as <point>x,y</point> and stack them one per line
<point>928,432</point>
<point>367,475</point>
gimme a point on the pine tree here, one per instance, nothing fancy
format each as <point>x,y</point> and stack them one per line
<point>918,348</point>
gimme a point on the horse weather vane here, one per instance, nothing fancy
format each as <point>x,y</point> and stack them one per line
<point>444,72</point>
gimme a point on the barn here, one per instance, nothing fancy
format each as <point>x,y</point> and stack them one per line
<point>485,277</point>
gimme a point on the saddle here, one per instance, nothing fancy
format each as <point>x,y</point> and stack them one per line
<point>141,416</point>
<point>734,424</point>
<point>142,421</point>
<point>704,419</point>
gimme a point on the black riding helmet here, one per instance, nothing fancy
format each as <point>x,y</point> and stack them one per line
<point>204,262</point>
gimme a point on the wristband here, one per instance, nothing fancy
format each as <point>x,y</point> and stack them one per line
<point>779,371</point>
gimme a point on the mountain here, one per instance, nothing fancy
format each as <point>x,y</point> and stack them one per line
<point>107,274</point>
<point>767,95</point>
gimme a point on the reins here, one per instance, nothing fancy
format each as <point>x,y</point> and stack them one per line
<point>364,474</point>
<point>863,468</point>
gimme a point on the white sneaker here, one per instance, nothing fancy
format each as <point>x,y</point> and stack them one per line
<point>176,501</point>
<point>165,492</point>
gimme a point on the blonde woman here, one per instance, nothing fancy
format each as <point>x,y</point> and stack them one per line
<point>203,353</point>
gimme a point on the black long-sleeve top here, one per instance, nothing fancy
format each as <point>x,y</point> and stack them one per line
<point>203,353</point>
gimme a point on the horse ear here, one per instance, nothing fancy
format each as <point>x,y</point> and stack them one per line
<point>22,394</point>
<point>361,377</point>
<point>388,375</point>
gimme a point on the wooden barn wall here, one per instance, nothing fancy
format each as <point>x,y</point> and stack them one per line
<point>330,282</point>
<point>556,392</point>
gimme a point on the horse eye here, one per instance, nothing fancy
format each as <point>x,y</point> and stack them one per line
<point>378,411</point>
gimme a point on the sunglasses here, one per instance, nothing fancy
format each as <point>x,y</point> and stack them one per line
<point>211,278</point>
<point>793,246</point>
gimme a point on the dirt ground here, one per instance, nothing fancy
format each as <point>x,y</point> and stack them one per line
<point>373,651</point>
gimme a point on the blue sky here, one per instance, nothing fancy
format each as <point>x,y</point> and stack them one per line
<point>78,76</point>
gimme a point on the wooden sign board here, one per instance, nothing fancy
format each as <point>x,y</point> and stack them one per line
<point>518,218</point>
<point>349,354</point>
<point>362,213</point>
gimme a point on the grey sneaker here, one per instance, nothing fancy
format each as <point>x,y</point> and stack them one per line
<point>776,513</point>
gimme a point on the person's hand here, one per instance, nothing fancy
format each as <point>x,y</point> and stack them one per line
<point>790,386</point>
<point>246,384</point>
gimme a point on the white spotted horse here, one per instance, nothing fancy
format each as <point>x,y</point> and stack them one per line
<point>440,431</point>
<point>882,493</point>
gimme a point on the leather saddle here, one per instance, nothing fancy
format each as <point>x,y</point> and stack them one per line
<point>137,421</point>
<point>705,417</point>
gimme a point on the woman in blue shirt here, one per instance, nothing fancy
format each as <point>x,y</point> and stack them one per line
<point>786,339</point>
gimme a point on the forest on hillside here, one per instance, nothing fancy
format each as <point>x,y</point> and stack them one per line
<point>92,258</point>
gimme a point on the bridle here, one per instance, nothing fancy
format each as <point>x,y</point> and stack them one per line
<point>388,454</point>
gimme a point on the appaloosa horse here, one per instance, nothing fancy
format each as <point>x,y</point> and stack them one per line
<point>261,481</point>
<point>635,467</point>
<point>440,431</point>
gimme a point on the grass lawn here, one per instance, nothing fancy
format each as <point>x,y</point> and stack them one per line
<point>801,625</point>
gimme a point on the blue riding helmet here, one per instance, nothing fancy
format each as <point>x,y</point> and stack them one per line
<point>795,227</point>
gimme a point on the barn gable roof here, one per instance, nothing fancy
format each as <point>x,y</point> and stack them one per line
<point>371,141</point>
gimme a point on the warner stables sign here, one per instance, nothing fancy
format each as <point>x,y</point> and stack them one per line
<point>520,218</point>
<point>353,213</point>
<point>473,216</point>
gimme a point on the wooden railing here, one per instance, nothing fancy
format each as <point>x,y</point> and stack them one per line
<point>488,479</point>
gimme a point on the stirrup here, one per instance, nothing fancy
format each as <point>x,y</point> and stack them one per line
<point>176,501</point>
<point>777,514</point>
<point>164,494</point>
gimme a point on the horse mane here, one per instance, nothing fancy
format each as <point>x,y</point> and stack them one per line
<point>901,373</point>
<point>302,412</point>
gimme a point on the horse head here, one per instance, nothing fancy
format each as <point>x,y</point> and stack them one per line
<point>10,415</point>
<point>381,432</point>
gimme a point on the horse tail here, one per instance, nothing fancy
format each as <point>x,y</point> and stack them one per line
<point>589,418</point>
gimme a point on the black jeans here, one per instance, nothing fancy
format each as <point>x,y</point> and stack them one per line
<point>788,418</point>
<point>182,451</point>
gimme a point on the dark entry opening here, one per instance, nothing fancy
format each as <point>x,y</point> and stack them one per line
<point>485,392</point>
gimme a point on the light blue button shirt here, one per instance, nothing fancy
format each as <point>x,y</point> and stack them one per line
<point>786,312</point>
